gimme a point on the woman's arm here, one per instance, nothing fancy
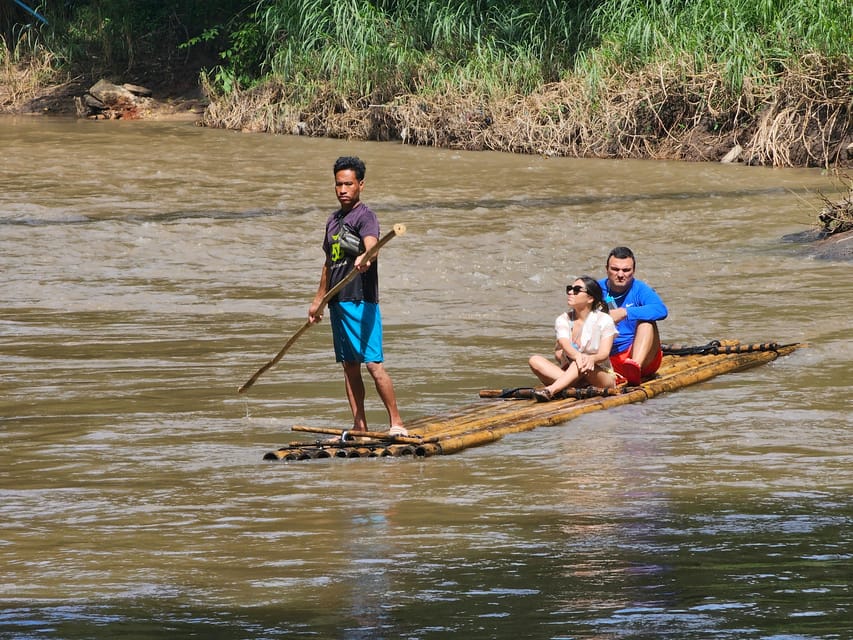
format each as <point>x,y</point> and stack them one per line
<point>604,346</point>
<point>586,361</point>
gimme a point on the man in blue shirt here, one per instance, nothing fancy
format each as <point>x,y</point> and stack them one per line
<point>636,309</point>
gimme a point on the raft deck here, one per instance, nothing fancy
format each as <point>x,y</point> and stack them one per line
<point>503,411</point>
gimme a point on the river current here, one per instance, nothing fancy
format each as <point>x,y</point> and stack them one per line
<point>150,268</point>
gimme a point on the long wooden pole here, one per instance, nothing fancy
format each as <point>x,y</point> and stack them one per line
<point>397,230</point>
<point>374,435</point>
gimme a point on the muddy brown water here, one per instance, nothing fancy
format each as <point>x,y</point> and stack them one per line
<point>150,268</point>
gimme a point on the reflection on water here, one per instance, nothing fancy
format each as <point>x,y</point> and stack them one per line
<point>149,269</point>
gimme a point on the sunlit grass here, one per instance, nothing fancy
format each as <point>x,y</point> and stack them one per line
<point>25,67</point>
<point>751,40</point>
<point>387,48</point>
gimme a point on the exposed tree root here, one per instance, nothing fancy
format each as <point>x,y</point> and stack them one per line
<point>837,217</point>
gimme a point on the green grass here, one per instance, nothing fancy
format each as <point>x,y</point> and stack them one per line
<point>385,48</point>
<point>379,49</point>
<point>752,40</point>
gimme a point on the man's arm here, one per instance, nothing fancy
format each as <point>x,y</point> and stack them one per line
<point>313,316</point>
<point>648,306</point>
<point>369,242</point>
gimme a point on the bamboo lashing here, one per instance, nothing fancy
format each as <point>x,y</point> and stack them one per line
<point>526,393</point>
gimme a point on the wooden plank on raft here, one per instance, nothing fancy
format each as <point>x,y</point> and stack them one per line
<point>492,418</point>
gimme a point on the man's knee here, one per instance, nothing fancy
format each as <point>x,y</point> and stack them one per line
<point>376,369</point>
<point>646,329</point>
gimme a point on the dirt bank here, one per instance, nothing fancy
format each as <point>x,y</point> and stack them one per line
<point>812,130</point>
<point>801,120</point>
<point>170,99</point>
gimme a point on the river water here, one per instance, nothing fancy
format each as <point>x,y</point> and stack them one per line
<point>150,268</point>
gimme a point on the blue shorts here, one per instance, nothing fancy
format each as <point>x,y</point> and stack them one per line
<point>356,331</point>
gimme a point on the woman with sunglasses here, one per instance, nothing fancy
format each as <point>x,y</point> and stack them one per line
<point>584,338</point>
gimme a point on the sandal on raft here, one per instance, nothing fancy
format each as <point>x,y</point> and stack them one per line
<point>543,395</point>
<point>397,430</point>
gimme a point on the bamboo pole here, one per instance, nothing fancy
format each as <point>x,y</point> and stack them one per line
<point>466,441</point>
<point>428,450</point>
<point>374,435</point>
<point>495,416</point>
<point>397,230</point>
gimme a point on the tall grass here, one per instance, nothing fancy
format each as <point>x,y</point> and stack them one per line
<point>25,67</point>
<point>384,48</point>
<point>389,47</point>
<point>750,40</point>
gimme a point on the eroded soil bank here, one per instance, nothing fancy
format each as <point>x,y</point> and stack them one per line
<point>169,97</point>
<point>804,120</point>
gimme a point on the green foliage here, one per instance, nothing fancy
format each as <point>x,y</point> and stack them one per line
<point>383,48</point>
<point>101,36</point>
<point>387,47</point>
<point>380,49</point>
<point>749,39</point>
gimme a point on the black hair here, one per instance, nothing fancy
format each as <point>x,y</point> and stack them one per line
<point>593,289</point>
<point>620,253</point>
<point>350,162</point>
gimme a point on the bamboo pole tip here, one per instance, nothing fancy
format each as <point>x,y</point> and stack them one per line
<point>399,229</point>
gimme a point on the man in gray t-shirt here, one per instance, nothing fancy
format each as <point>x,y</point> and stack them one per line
<point>354,312</point>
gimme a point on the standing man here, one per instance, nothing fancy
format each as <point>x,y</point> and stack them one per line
<point>354,311</point>
<point>636,309</point>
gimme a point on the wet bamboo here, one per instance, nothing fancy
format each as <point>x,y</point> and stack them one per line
<point>596,404</point>
<point>374,435</point>
<point>498,415</point>
<point>431,424</point>
<point>428,450</point>
<point>466,441</point>
<point>472,422</point>
<point>486,422</point>
<point>283,454</point>
<point>728,363</point>
<point>526,419</point>
<point>489,411</point>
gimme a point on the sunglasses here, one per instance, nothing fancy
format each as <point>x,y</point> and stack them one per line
<point>576,289</point>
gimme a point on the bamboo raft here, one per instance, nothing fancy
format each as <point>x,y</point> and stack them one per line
<point>489,420</point>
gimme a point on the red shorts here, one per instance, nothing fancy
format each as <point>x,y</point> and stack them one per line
<point>618,360</point>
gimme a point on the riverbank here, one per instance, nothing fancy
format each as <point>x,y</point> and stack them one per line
<point>802,121</point>
<point>31,91</point>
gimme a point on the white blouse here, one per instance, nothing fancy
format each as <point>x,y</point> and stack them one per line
<point>597,326</point>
